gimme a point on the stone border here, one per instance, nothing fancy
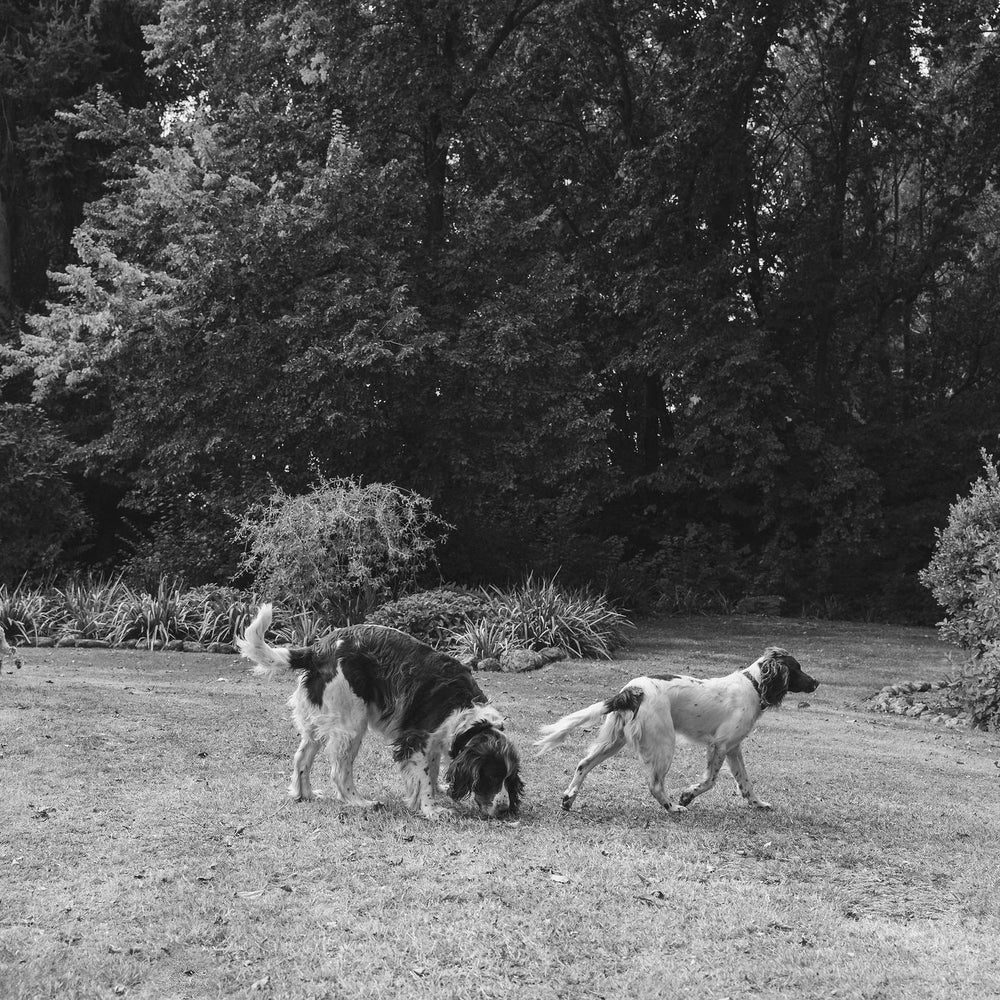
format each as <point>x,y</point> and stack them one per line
<point>930,700</point>
<point>143,645</point>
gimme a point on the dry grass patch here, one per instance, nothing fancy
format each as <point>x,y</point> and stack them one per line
<point>147,850</point>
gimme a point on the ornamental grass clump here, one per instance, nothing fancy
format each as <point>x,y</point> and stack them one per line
<point>152,620</point>
<point>26,614</point>
<point>540,614</point>
<point>87,607</point>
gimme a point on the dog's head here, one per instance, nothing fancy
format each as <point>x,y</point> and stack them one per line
<point>780,673</point>
<point>484,764</point>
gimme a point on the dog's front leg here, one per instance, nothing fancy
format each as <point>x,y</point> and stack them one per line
<point>416,777</point>
<point>716,755</point>
<point>739,769</point>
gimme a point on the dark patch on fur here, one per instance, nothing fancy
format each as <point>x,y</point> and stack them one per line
<point>665,677</point>
<point>460,741</point>
<point>366,680</point>
<point>407,744</point>
<point>319,668</point>
<point>627,700</point>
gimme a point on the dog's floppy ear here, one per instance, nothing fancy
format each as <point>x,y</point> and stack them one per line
<point>515,789</point>
<point>773,676</point>
<point>461,776</point>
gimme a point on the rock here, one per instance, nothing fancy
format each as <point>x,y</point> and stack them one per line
<point>765,604</point>
<point>66,641</point>
<point>918,708</point>
<point>221,647</point>
<point>192,647</point>
<point>490,663</point>
<point>44,642</point>
<point>551,654</point>
<point>92,644</point>
<point>174,646</point>
<point>519,661</point>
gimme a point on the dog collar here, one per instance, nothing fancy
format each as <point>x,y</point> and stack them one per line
<point>756,686</point>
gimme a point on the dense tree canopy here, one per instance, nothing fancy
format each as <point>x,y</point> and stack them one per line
<point>699,294</point>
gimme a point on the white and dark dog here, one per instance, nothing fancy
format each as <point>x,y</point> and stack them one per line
<point>424,702</point>
<point>649,713</point>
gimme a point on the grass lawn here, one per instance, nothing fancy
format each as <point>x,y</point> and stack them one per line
<point>147,848</point>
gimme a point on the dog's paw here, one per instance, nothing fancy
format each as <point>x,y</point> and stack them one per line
<point>672,807</point>
<point>357,803</point>
<point>434,813</point>
<point>761,804</point>
<point>567,802</point>
<point>686,798</point>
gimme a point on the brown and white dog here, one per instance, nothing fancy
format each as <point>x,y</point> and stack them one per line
<point>424,702</point>
<point>649,713</point>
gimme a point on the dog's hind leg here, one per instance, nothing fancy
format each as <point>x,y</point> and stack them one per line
<point>610,739</point>
<point>655,741</point>
<point>344,746</point>
<point>300,788</point>
<point>716,755</point>
<point>736,764</point>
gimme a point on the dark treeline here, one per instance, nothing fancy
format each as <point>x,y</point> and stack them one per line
<point>688,298</point>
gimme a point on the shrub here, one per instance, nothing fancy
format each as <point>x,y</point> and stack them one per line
<point>979,689</point>
<point>165,616</point>
<point>26,614</point>
<point>964,572</point>
<point>39,509</point>
<point>484,639</point>
<point>431,615</point>
<point>87,607</point>
<point>538,614</point>
<point>341,548</point>
<point>301,628</point>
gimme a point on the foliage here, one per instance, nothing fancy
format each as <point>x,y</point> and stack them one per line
<point>88,607</point>
<point>341,547</point>
<point>481,639</point>
<point>431,615</point>
<point>570,270</point>
<point>540,613</point>
<point>39,509</point>
<point>27,613</point>
<point>979,688</point>
<point>167,615</point>
<point>300,628</point>
<point>964,573</point>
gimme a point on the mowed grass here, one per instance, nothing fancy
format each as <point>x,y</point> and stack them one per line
<point>147,848</point>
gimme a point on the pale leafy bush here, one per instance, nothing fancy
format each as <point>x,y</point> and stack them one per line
<point>964,573</point>
<point>340,548</point>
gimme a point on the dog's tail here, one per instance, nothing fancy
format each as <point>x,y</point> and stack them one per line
<point>267,660</point>
<point>627,700</point>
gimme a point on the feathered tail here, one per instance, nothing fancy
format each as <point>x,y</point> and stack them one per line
<point>620,705</point>
<point>267,660</point>
<point>556,732</point>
